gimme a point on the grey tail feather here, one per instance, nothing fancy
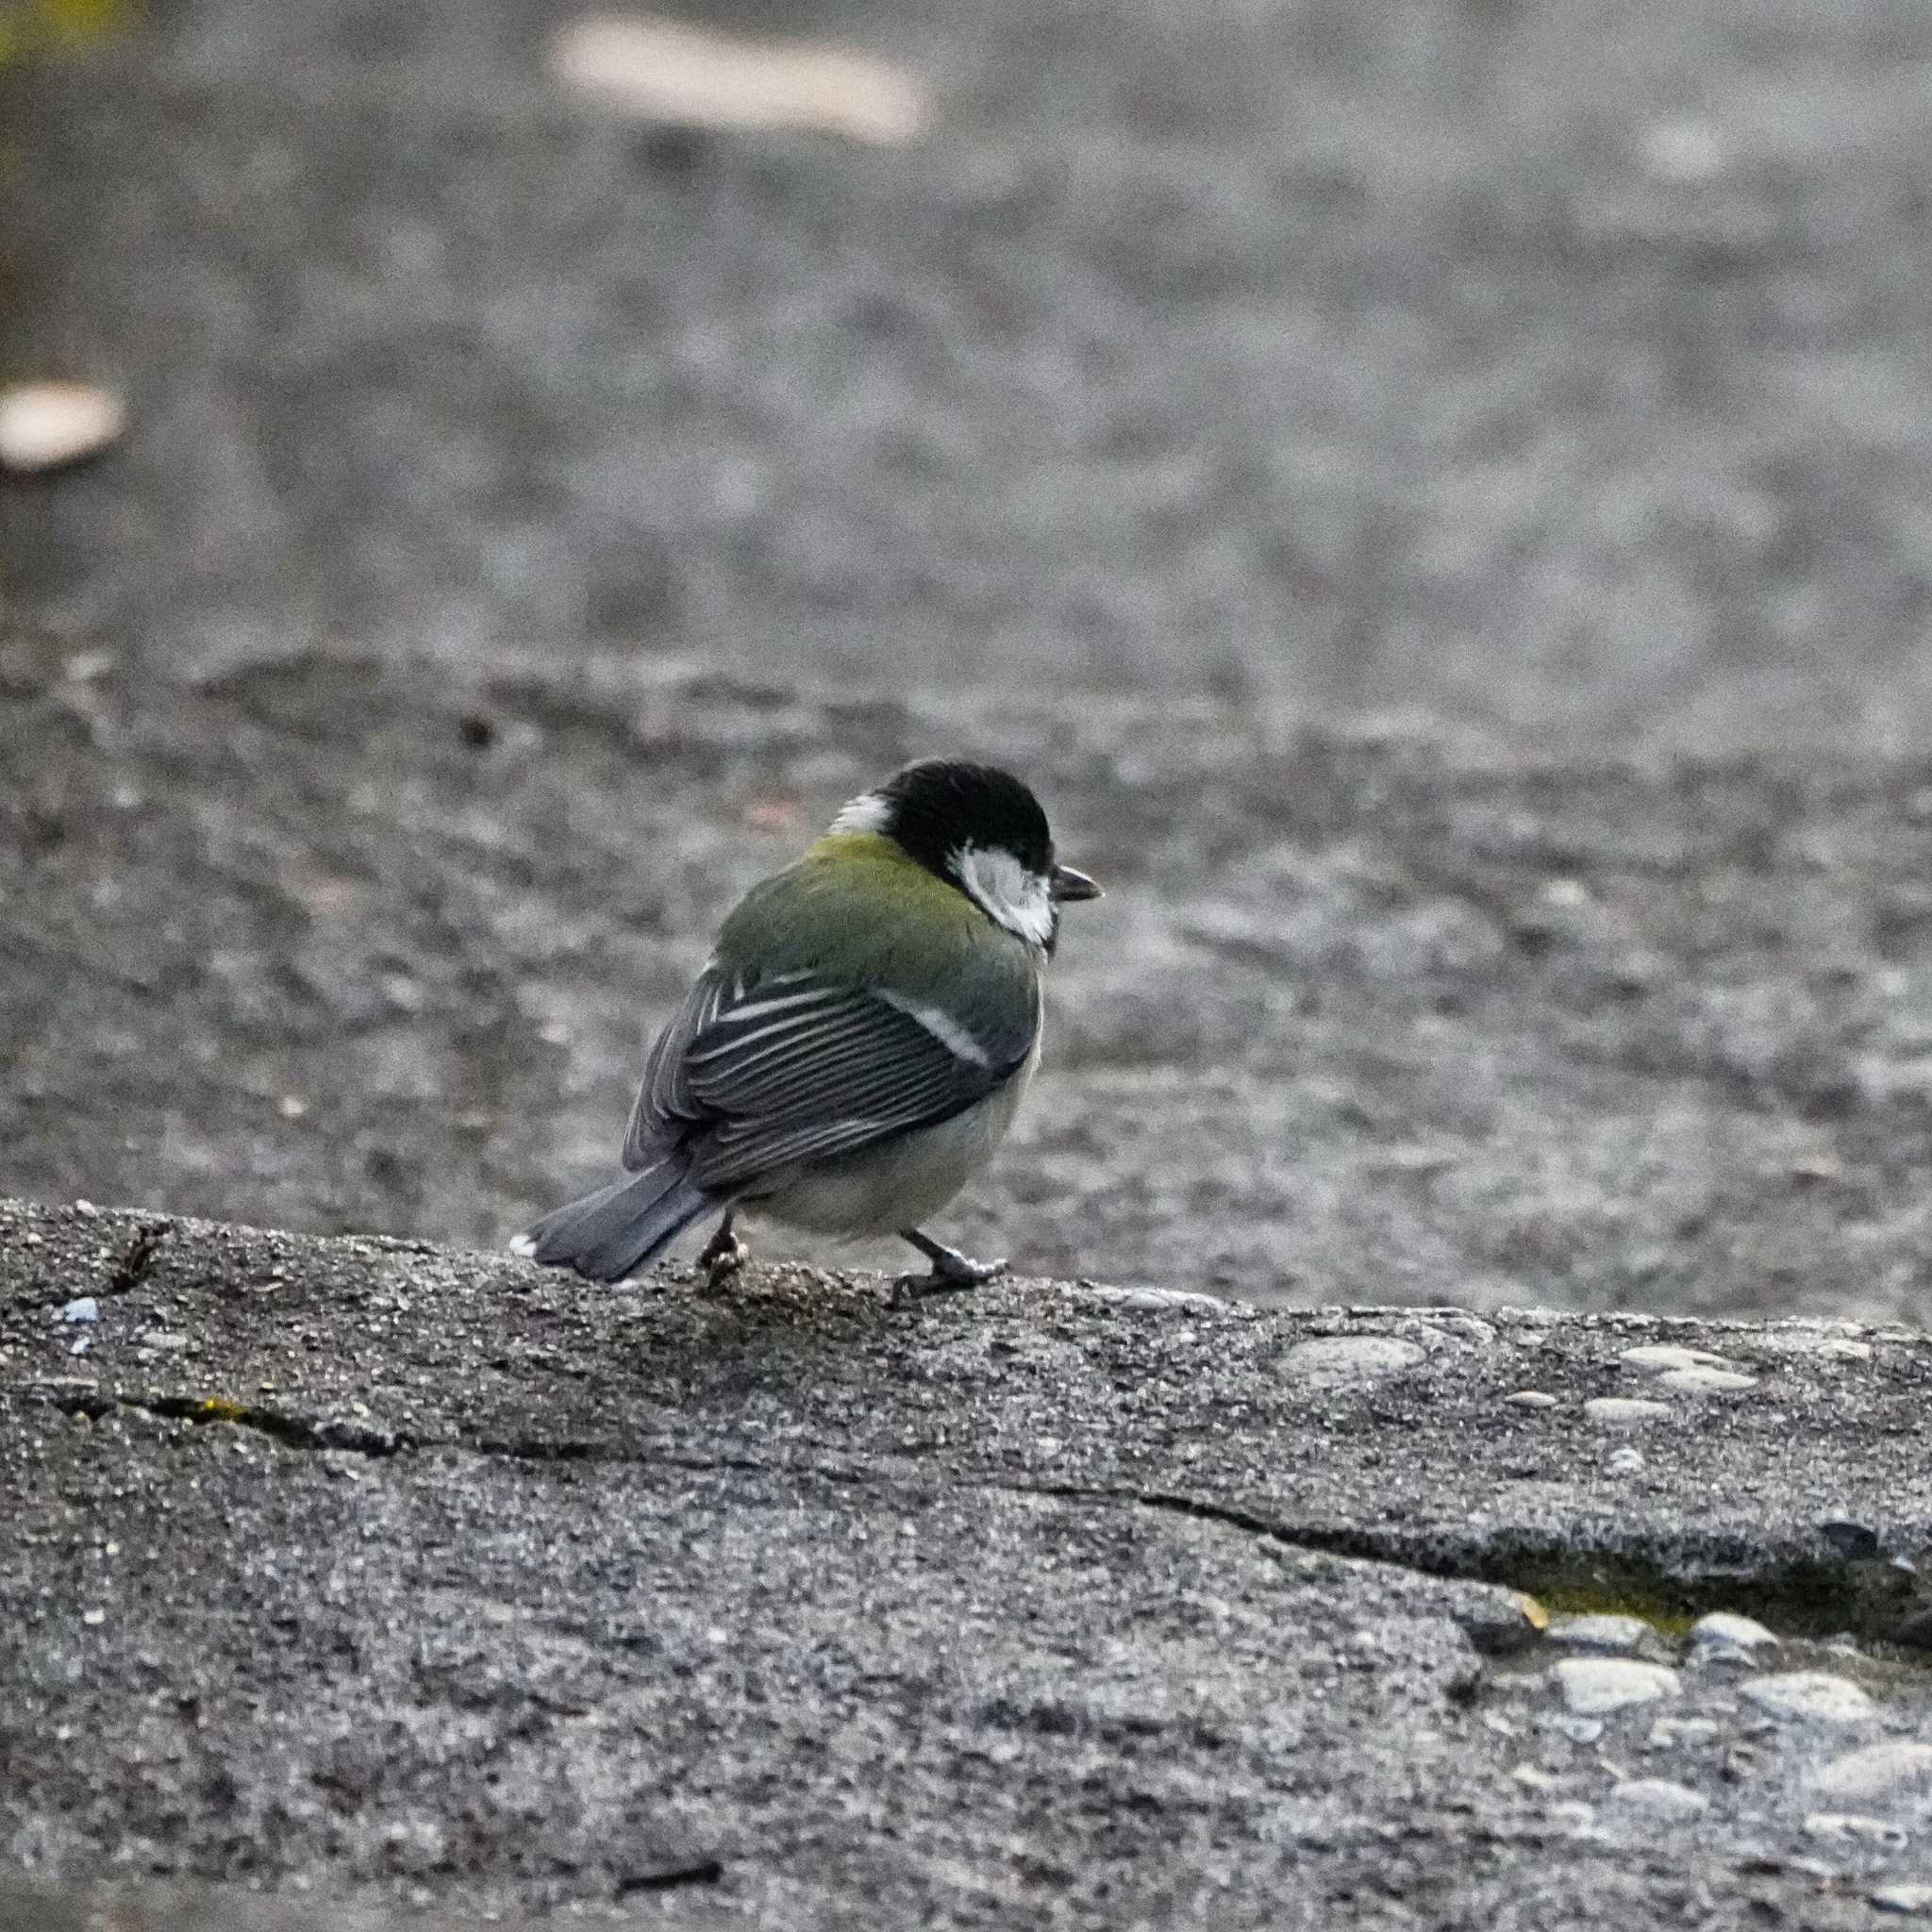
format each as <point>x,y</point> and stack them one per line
<point>608,1233</point>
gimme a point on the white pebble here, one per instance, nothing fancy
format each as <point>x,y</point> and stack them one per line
<point>1617,1635</point>
<point>1705,1381</point>
<point>1624,1462</point>
<point>1813,1695</point>
<point>1160,1301</point>
<point>1331,1359</point>
<point>43,424</point>
<point>1723,1635</point>
<point>1897,1766</point>
<point>1660,1796</point>
<point>82,1308</point>
<point>1593,1685</point>
<point>1658,1355</point>
<point>1624,1411</point>
<point>1669,1732</point>
<point>1909,1900</point>
<point>1530,1398</point>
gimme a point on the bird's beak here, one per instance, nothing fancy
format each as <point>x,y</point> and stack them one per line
<point>1069,885</point>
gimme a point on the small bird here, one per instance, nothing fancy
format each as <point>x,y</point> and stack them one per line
<point>858,1042</point>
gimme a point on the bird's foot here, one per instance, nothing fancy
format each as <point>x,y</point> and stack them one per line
<point>950,1270</point>
<point>723,1256</point>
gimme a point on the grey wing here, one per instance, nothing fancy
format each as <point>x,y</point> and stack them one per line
<point>666,1109</point>
<point>799,1069</point>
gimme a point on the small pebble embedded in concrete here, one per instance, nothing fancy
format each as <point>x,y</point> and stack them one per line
<point>1723,1636</point>
<point>1909,1900</point>
<point>1663,1356</point>
<point>82,1308</point>
<point>1625,1411</point>
<point>1845,1350</point>
<point>1811,1696</point>
<point>1661,1797</point>
<point>1571,1814</point>
<point>1578,1728</point>
<point>1898,1766</point>
<point>1530,1398</point>
<point>1328,1360</point>
<point>1624,1462</point>
<point>1669,1732</point>
<point>1607,1634</point>
<point>1591,1686</point>
<point>1707,1381</point>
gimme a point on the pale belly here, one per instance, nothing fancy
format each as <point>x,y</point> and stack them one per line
<point>900,1184</point>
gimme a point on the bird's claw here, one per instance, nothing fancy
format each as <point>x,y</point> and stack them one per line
<point>950,1270</point>
<point>723,1255</point>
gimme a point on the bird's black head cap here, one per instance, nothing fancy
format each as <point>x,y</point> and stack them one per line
<point>937,806</point>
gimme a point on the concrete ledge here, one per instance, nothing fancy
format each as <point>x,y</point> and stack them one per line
<point>395,1576</point>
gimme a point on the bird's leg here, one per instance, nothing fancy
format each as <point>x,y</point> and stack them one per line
<point>950,1268</point>
<point>724,1255</point>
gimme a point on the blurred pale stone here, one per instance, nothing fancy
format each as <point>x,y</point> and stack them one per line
<point>1624,1411</point>
<point>662,70</point>
<point>1685,150</point>
<point>1898,1767</point>
<point>1813,1695</point>
<point>1592,1686</point>
<point>1707,1381</point>
<point>43,424</point>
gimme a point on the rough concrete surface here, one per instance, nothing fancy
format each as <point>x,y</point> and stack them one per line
<point>339,949</point>
<point>403,1576</point>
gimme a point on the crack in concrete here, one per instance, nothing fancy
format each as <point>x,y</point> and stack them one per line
<point>1798,1595</point>
<point>292,1431</point>
<point>139,1257</point>
<point>131,1267</point>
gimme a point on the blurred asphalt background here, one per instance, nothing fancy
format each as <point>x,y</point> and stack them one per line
<point>1212,394</point>
<point>1561,366</point>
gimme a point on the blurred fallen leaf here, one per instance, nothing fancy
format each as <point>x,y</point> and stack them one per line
<point>662,70</point>
<point>43,424</point>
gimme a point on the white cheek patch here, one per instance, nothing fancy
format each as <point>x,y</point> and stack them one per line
<point>868,812</point>
<point>1020,900</point>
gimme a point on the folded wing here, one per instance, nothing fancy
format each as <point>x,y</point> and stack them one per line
<point>796,1068</point>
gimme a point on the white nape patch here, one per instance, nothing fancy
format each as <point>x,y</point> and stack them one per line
<point>868,812</point>
<point>939,1024</point>
<point>1006,892</point>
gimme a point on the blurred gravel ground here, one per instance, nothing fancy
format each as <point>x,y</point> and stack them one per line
<point>325,946</point>
<point>1563,368</point>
